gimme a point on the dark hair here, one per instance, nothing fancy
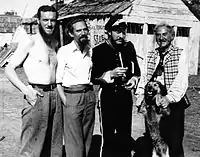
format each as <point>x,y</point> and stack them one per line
<point>69,27</point>
<point>46,8</point>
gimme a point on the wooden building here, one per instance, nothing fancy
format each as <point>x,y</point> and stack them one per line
<point>8,25</point>
<point>146,14</point>
<point>30,25</point>
<point>141,17</point>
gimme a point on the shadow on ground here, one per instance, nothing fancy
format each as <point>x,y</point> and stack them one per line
<point>139,147</point>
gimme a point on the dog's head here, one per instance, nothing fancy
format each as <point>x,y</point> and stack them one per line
<point>153,88</point>
<point>154,91</point>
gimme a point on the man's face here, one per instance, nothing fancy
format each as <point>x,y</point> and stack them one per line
<point>80,32</point>
<point>118,36</point>
<point>163,37</point>
<point>47,22</point>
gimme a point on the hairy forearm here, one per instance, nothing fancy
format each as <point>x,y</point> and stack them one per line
<point>61,93</point>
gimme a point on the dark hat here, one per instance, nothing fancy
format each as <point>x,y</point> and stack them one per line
<point>115,23</point>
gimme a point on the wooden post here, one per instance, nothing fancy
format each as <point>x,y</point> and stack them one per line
<point>56,4</point>
<point>31,28</point>
<point>61,34</point>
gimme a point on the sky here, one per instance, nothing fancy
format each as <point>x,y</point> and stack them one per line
<point>24,8</point>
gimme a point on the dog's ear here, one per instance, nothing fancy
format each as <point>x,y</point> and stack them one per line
<point>157,98</point>
<point>163,89</point>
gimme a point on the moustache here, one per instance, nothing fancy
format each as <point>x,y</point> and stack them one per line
<point>49,27</point>
<point>84,36</point>
<point>120,39</point>
<point>163,40</point>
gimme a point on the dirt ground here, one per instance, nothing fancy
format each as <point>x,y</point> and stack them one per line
<point>11,103</point>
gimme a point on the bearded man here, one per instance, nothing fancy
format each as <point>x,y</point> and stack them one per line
<point>116,70</point>
<point>41,116</point>
<point>76,91</point>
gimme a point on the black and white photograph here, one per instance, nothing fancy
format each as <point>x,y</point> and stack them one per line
<point>100,78</point>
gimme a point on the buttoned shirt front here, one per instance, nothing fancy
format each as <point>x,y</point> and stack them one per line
<point>74,66</point>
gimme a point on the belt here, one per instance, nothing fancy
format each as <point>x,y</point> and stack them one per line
<point>78,88</point>
<point>48,87</point>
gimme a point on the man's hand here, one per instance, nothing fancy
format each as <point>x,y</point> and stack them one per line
<point>31,95</point>
<point>62,94</point>
<point>64,101</point>
<point>118,72</point>
<point>164,102</point>
<point>131,83</point>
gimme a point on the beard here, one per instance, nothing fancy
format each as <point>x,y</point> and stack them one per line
<point>83,40</point>
<point>49,39</point>
<point>117,45</point>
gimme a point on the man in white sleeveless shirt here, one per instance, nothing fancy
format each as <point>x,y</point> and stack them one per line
<point>41,117</point>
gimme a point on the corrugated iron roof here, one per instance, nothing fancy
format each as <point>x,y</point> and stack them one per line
<point>29,20</point>
<point>94,8</point>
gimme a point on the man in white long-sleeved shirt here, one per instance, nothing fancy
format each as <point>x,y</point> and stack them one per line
<point>169,65</point>
<point>75,89</point>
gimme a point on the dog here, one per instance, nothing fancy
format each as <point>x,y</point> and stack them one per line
<point>152,112</point>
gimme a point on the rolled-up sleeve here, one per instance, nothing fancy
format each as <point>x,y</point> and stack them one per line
<point>60,66</point>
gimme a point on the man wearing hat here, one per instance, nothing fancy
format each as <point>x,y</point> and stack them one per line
<point>116,70</point>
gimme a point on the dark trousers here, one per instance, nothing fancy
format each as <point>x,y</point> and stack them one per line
<point>172,129</point>
<point>41,134</point>
<point>79,115</point>
<point>116,107</point>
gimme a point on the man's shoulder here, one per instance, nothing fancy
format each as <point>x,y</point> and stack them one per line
<point>100,47</point>
<point>66,48</point>
<point>178,49</point>
<point>175,50</point>
<point>129,43</point>
<point>36,37</point>
<point>27,43</point>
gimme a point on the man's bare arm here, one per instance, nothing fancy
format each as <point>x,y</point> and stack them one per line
<point>61,93</point>
<point>17,59</point>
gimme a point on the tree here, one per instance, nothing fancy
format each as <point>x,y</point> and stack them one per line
<point>193,6</point>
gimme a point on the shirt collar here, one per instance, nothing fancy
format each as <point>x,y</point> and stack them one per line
<point>86,51</point>
<point>171,47</point>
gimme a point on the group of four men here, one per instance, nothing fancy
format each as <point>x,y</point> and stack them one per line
<point>59,96</point>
